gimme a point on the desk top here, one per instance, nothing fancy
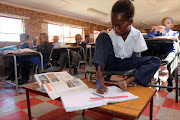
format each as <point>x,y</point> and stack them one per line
<point>17,53</point>
<point>72,47</point>
<point>132,109</point>
<point>162,40</point>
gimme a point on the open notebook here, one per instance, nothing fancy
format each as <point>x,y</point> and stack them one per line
<point>82,100</point>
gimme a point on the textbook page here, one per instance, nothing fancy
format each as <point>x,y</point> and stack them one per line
<point>57,84</point>
<point>116,91</point>
<point>80,100</point>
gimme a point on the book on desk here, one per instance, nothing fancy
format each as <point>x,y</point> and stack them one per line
<point>75,94</point>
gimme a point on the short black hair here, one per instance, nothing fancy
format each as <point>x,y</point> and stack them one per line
<point>169,19</point>
<point>26,35</point>
<point>125,7</point>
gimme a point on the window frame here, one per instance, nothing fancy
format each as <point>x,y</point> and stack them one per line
<point>22,29</point>
<point>70,37</point>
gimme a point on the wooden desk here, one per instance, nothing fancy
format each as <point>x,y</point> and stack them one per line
<point>129,109</point>
<point>14,55</point>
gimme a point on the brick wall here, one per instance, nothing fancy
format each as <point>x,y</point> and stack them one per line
<point>33,25</point>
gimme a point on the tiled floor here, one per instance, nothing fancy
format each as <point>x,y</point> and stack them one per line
<point>14,107</point>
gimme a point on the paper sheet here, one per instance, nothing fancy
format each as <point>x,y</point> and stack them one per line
<point>115,91</point>
<point>80,100</point>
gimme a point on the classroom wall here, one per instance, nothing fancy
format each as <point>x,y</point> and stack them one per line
<point>33,25</point>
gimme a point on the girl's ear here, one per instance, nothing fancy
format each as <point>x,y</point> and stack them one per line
<point>172,25</point>
<point>131,21</point>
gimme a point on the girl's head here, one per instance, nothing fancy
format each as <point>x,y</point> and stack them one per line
<point>24,37</point>
<point>122,14</point>
<point>43,37</point>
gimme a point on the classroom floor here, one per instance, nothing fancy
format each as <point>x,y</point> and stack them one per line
<point>14,107</point>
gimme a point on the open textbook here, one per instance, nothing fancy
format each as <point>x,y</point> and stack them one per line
<point>83,99</point>
<point>57,84</point>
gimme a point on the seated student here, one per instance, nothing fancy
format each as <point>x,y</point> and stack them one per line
<point>114,50</point>
<point>34,42</point>
<point>56,42</point>
<point>45,48</point>
<point>76,54</point>
<point>164,50</point>
<point>165,30</point>
<point>23,44</point>
<point>87,39</point>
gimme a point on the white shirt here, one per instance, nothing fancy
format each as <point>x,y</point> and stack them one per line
<point>59,44</point>
<point>133,43</point>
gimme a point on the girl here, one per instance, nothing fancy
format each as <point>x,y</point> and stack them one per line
<point>114,50</point>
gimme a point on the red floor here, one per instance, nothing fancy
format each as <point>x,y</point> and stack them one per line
<point>14,107</point>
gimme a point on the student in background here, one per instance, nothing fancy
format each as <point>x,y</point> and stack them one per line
<point>23,44</point>
<point>76,54</point>
<point>34,43</point>
<point>56,42</point>
<point>168,49</point>
<point>87,39</point>
<point>45,48</point>
<point>23,41</point>
<point>114,50</point>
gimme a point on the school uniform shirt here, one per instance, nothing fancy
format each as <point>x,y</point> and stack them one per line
<point>24,45</point>
<point>34,47</point>
<point>133,43</point>
<point>169,32</point>
<point>45,48</point>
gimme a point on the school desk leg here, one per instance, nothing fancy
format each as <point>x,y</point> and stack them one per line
<point>15,72</point>
<point>176,79</point>
<point>28,104</point>
<point>151,109</point>
<point>69,59</point>
<point>83,113</point>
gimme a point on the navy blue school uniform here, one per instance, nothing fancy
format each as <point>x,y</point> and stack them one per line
<point>24,45</point>
<point>23,63</point>
<point>45,48</point>
<point>112,56</point>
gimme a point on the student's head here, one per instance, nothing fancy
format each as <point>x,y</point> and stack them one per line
<point>78,38</point>
<point>122,14</point>
<point>24,37</point>
<point>168,22</point>
<point>34,41</point>
<point>143,31</point>
<point>55,39</point>
<point>87,39</point>
<point>43,37</point>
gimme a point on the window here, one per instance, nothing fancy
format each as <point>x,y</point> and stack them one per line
<point>55,30</point>
<point>96,33</point>
<point>10,29</point>
<point>66,33</point>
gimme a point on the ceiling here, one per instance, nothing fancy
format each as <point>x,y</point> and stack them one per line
<point>147,12</point>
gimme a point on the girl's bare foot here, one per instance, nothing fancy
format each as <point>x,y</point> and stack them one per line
<point>123,85</point>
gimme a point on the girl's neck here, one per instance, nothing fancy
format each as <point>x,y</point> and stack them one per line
<point>125,35</point>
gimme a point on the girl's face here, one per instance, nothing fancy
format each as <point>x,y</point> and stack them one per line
<point>120,24</point>
<point>22,38</point>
